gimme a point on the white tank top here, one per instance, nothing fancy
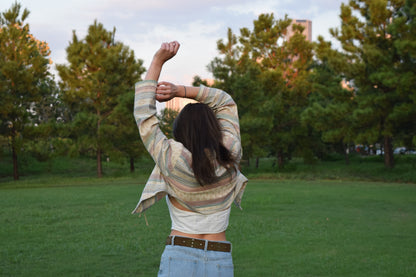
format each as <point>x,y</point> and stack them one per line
<point>195,223</point>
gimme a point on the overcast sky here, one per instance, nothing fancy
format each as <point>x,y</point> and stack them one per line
<point>144,24</point>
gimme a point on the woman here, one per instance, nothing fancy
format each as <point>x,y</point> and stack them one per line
<point>197,171</point>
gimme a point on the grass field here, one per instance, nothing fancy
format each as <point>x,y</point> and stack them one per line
<point>82,226</point>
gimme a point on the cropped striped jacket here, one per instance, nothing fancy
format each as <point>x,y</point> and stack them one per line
<point>173,174</point>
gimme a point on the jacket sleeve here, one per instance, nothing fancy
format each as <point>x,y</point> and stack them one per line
<point>226,112</point>
<point>164,151</point>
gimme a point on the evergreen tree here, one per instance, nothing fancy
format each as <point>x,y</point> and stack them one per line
<point>403,28</point>
<point>100,70</point>
<point>377,39</point>
<point>48,116</point>
<point>166,119</point>
<point>123,134</point>
<point>23,68</point>
<point>239,75</point>
<point>267,75</point>
<point>332,100</point>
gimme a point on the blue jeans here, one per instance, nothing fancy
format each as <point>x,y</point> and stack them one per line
<point>186,262</point>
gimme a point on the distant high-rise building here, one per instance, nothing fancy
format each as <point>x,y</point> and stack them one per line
<point>178,103</point>
<point>307,24</point>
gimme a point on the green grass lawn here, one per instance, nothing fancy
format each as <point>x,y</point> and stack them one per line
<point>360,168</point>
<point>83,227</point>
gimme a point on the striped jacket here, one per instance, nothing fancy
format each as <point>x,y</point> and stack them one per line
<point>173,172</point>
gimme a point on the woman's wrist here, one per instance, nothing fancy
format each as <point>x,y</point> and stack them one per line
<point>154,70</point>
<point>157,61</point>
<point>187,91</point>
<point>182,91</point>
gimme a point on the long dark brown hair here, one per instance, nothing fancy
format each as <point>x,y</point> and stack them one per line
<point>197,128</point>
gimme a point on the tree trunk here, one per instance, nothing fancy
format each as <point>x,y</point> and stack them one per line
<point>15,166</point>
<point>280,160</point>
<point>257,162</point>
<point>99,164</point>
<point>388,152</point>
<point>131,165</point>
<point>346,151</point>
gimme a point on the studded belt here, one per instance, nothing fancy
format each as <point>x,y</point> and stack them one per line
<point>199,243</point>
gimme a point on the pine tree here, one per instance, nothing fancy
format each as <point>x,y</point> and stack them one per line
<point>100,70</point>
<point>332,101</point>
<point>23,67</point>
<point>123,135</point>
<point>267,75</point>
<point>48,116</point>
<point>377,39</point>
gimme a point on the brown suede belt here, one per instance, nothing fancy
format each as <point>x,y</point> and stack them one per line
<point>199,243</point>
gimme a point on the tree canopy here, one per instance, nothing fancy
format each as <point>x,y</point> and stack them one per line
<point>266,72</point>
<point>99,72</point>
<point>378,58</point>
<point>24,67</point>
<point>294,97</point>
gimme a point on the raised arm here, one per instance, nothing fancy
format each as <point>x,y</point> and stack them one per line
<point>149,90</point>
<point>159,147</point>
<point>167,51</point>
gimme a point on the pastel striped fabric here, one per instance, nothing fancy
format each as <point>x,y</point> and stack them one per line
<point>173,172</point>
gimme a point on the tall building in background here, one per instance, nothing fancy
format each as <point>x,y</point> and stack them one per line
<point>305,23</point>
<point>178,103</point>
